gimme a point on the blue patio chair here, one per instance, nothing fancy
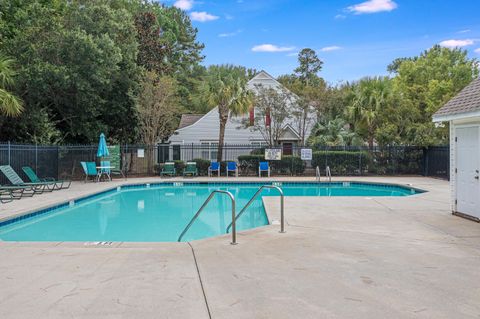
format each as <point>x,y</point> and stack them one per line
<point>263,167</point>
<point>232,167</point>
<point>90,170</point>
<point>214,167</point>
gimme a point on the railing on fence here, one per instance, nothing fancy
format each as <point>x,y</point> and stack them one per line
<point>145,160</point>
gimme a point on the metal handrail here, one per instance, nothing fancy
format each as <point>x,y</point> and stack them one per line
<point>234,232</point>
<point>282,201</point>
<point>328,173</point>
<point>317,174</point>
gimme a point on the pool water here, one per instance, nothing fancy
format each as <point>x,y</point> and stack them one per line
<point>159,213</point>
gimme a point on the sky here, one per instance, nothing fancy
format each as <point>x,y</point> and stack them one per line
<point>354,38</point>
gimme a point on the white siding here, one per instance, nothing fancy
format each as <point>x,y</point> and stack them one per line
<point>453,189</point>
<point>453,154</point>
<point>207,128</point>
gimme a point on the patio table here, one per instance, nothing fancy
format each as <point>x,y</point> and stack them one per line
<point>104,171</point>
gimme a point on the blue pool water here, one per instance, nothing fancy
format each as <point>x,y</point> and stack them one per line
<point>159,213</point>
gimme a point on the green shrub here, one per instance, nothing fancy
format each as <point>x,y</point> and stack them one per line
<point>202,166</point>
<point>179,167</point>
<point>287,165</point>
<point>342,162</point>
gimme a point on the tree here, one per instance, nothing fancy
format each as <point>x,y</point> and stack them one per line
<point>272,111</point>
<point>334,133</point>
<point>309,66</point>
<point>10,105</point>
<point>371,96</point>
<point>158,108</point>
<point>427,82</point>
<point>225,87</point>
<point>77,64</point>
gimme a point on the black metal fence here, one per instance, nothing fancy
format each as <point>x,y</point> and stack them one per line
<point>63,161</point>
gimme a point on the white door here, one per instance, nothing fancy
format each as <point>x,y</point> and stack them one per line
<point>468,166</point>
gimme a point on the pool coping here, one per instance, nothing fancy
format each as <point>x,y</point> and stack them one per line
<point>7,220</point>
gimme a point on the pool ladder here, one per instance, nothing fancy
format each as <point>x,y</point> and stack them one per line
<point>328,173</point>
<point>234,216</point>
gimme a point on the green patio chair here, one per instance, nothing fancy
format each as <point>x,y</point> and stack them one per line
<point>15,180</point>
<point>190,169</point>
<point>168,169</point>
<point>9,193</point>
<point>58,184</point>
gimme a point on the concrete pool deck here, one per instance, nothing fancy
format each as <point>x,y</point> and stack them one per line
<point>342,257</point>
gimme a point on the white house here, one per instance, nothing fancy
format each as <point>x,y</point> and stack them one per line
<point>197,134</point>
<point>463,114</point>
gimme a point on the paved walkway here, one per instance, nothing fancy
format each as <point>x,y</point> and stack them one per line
<point>340,258</point>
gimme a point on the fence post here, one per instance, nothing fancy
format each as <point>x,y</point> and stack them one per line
<point>36,158</point>
<point>9,153</point>
<point>360,163</point>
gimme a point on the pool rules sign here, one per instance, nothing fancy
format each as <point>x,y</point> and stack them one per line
<point>273,154</point>
<point>306,154</point>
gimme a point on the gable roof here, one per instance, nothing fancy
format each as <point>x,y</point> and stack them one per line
<point>467,101</point>
<point>189,119</point>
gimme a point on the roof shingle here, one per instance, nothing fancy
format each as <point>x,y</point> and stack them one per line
<point>189,119</point>
<point>468,100</point>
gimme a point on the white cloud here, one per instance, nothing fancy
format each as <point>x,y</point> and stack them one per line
<point>271,48</point>
<point>373,6</point>
<point>464,31</point>
<point>183,4</point>
<point>229,34</point>
<point>331,48</point>
<point>340,17</point>
<point>293,54</point>
<point>457,43</point>
<point>477,50</point>
<point>202,16</point>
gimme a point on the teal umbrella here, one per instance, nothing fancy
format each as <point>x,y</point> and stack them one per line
<point>102,147</point>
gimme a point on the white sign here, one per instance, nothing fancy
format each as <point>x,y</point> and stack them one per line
<point>141,153</point>
<point>273,154</point>
<point>306,154</point>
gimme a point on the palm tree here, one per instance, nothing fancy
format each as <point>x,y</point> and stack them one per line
<point>10,105</point>
<point>334,133</point>
<point>370,96</point>
<point>225,87</point>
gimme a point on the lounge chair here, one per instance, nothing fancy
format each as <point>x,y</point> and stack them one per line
<point>232,167</point>
<point>168,169</point>
<point>9,193</point>
<point>190,169</point>
<point>15,180</point>
<point>263,167</point>
<point>58,184</point>
<point>214,167</point>
<point>90,170</point>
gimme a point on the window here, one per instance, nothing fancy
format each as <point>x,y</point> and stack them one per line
<point>176,152</point>
<point>209,150</point>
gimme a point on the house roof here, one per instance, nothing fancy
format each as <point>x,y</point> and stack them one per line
<point>467,101</point>
<point>189,119</point>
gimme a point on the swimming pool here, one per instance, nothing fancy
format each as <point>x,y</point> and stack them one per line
<point>160,212</point>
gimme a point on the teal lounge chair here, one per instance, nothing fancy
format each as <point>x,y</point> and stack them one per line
<point>9,193</point>
<point>168,169</point>
<point>37,188</point>
<point>90,170</point>
<point>58,184</point>
<point>190,169</point>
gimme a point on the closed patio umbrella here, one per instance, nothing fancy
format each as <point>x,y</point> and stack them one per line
<point>102,147</point>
